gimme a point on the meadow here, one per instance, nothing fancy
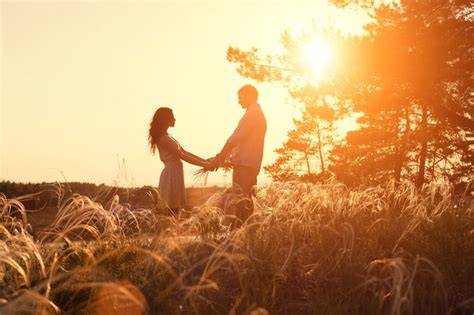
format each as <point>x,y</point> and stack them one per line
<point>307,249</point>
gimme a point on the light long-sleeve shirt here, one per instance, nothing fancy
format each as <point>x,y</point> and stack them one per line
<point>248,138</point>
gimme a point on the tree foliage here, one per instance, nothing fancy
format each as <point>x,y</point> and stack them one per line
<point>408,76</point>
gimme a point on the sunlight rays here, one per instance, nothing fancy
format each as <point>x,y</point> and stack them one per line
<point>316,56</point>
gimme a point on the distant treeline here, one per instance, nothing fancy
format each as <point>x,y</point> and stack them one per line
<point>14,189</point>
<point>49,194</point>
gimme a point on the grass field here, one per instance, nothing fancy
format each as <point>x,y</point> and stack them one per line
<point>307,249</point>
<point>139,198</point>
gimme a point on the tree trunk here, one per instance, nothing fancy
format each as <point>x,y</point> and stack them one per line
<point>307,163</point>
<point>403,147</point>
<point>397,171</point>
<point>320,149</point>
<point>424,147</point>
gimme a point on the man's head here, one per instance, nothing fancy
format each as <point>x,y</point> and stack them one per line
<point>248,95</point>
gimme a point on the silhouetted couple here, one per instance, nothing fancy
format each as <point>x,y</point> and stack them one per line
<point>244,148</point>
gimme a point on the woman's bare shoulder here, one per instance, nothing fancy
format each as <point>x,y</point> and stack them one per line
<point>163,137</point>
<point>167,141</point>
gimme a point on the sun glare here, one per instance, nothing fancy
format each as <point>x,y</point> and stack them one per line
<point>316,56</point>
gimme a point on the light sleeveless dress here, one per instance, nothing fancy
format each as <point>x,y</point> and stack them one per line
<point>171,187</point>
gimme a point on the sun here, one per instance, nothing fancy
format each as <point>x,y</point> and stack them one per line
<point>316,56</point>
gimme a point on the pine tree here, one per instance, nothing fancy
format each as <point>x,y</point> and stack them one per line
<point>408,77</point>
<point>304,154</point>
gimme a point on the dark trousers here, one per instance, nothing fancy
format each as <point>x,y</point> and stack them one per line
<point>244,178</point>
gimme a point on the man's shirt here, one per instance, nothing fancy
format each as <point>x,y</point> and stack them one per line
<point>248,138</point>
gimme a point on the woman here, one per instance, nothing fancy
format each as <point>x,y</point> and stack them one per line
<point>171,185</point>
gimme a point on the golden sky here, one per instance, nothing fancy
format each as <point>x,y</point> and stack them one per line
<point>80,82</point>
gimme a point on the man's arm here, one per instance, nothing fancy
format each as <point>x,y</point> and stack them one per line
<point>228,146</point>
<point>243,129</point>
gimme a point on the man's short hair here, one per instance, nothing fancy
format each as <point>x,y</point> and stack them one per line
<point>249,90</point>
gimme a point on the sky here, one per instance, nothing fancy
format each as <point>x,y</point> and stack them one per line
<point>80,82</point>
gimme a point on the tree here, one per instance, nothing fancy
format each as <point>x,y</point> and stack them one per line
<point>380,149</point>
<point>304,154</point>
<point>409,77</point>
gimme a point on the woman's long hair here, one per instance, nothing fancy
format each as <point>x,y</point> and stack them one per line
<point>158,126</point>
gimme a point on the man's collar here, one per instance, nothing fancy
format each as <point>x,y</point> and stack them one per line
<point>253,106</point>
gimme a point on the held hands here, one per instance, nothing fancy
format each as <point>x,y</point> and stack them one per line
<point>208,167</point>
<point>213,163</point>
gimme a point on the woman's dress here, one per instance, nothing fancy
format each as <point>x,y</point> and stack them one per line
<point>171,187</point>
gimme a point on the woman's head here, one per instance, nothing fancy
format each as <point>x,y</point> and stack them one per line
<point>162,120</point>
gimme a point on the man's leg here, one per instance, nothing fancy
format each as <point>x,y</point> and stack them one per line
<point>243,180</point>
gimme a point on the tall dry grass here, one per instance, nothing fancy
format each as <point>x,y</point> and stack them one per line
<point>320,249</point>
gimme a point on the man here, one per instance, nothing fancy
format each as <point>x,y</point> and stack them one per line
<point>246,143</point>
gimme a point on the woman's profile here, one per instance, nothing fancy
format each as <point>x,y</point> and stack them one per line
<point>171,186</point>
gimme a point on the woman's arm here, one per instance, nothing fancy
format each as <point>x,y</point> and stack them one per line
<point>172,146</point>
<point>192,160</point>
<point>193,155</point>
